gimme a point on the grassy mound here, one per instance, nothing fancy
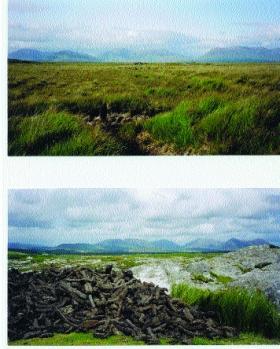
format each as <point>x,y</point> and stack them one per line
<point>54,133</point>
<point>248,311</point>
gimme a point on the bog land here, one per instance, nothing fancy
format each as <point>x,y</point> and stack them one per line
<point>239,289</point>
<point>143,109</point>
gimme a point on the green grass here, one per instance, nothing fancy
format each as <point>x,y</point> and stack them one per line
<point>193,108</point>
<point>189,294</point>
<point>13,255</point>
<point>61,133</point>
<point>249,311</point>
<point>38,261</point>
<point>243,339</point>
<point>79,339</point>
<point>201,278</point>
<point>243,126</point>
<point>222,278</point>
<point>173,127</point>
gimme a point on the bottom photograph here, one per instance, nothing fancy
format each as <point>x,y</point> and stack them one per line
<point>143,266</point>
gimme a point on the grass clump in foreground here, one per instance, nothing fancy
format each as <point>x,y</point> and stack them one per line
<point>172,127</point>
<point>53,133</point>
<point>248,311</point>
<point>247,125</point>
<point>243,126</point>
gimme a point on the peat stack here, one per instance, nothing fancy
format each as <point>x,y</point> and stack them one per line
<point>106,302</point>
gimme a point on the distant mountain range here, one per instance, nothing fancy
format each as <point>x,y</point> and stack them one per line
<point>116,55</point>
<point>44,56</point>
<point>232,54</point>
<point>242,54</point>
<point>142,246</point>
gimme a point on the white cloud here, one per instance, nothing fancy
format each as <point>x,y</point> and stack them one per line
<point>56,216</point>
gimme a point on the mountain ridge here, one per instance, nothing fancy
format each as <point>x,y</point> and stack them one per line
<point>50,56</point>
<point>242,54</point>
<point>112,246</point>
<point>215,55</point>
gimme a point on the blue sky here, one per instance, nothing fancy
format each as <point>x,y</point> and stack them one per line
<point>186,26</point>
<point>51,217</point>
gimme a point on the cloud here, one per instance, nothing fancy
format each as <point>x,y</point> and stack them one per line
<point>57,216</point>
<point>185,27</point>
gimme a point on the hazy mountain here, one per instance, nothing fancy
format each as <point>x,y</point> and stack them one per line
<point>70,56</point>
<point>130,55</point>
<point>231,54</point>
<point>142,246</point>
<point>242,54</point>
<point>76,247</point>
<point>213,245</point>
<point>27,247</point>
<point>28,55</point>
<point>59,56</point>
<point>115,55</point>
<point>204,245</point>
<point>235,244</point>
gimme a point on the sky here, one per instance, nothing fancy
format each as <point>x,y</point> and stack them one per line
<point>52,217</point>
<point>188,27</point>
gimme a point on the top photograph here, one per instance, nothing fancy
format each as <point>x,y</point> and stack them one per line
<point>143,77</point>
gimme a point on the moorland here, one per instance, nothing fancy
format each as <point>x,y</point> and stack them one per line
<point>239,287</point>
<point>143,109</point>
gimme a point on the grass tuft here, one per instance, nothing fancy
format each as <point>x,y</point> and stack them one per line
<point>189,294</point>
<point>249,311</point>
<point>54,133</point>
<point>222,278</point>
<point>173,127</point>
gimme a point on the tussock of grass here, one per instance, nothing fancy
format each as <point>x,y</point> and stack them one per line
<point>201,277</point>
<point>249,311</point>
<point>127,133</point>
<point>173,127</point>
<point>208,84</point>
<point>246,126</point>
<point>161,92</point>
<point>54,133</point>
<point>127,104</point>
<point>189,294</point>
<point>87,106</point>
<point>26,108</point>
<point>222,278</point>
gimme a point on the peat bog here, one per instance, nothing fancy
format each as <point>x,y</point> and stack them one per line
<point>143,109</point>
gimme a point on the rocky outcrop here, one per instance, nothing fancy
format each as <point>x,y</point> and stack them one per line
<point>256,267</point>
